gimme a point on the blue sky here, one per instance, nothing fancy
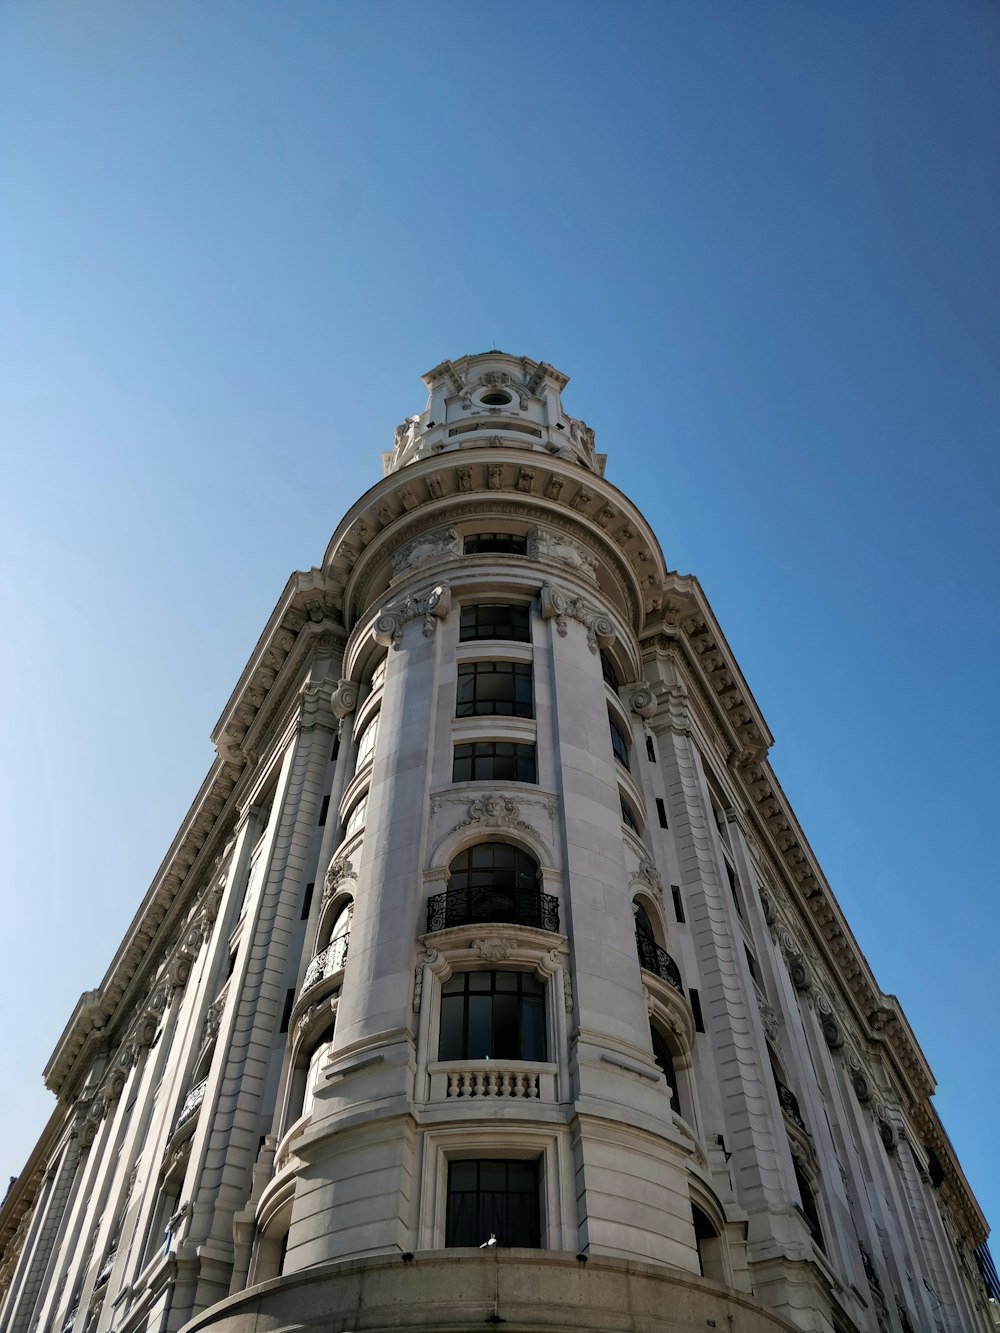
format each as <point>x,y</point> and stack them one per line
<point>761,238</point>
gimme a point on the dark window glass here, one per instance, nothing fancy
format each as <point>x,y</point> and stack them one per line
<point>642,923</point>
<point>493,865</point>
<point>493,1198</point>
<point>492,1016</point>
<point>809,1206</point>
<point>695,998</point>
<point>494,620</point>
<point>496,761</point>
<point>501,543</point>
<point>675,890</point>
<point>650,752</point>
<point>499,689</point>
<point>661,812</point>
<point>618,743</point>
<point>608,671</point>
<point>734,890</point>
<point>664,1058</point>
<point>628,818</point>
<point>751,963</point>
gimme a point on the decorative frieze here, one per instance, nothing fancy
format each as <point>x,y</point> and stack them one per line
<point>433,546</point>
<point>544,545</point>
<point>493,812</point>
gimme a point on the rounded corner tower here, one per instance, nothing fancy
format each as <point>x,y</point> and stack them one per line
<point>490,978</point>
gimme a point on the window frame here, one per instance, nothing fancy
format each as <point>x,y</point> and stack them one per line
<point>480,1224</point>
<point>481,668</point>
<point>619,742</point>
<point>537,1001</point>
<point>520,757</point>
<point>474,624</point>
<point>515,537</point>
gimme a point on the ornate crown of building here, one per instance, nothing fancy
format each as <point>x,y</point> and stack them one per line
<point>490,977</point>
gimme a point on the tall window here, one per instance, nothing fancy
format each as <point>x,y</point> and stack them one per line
<point>664,1058</point>
<point>366,744</point>
<point>609,672</point>
<point>356,819</point>
<point>493,1198</point>
<point>378,676</point>
<point>809,1204</point>
<point>499,689</point>
<point>628,818</point>
<point>492,1016</point>
<point>493,865</point>
<point>618,742</point>
<point>499,543</point>
<point>496,761</point>
<point>495,620</point>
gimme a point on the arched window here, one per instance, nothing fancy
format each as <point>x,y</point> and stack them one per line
<point>709,1246</point>
<point>643,925</point>
<point>628,818</point>
<point>493,881</point>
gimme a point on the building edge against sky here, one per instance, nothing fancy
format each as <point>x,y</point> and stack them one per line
<point>491,919</point>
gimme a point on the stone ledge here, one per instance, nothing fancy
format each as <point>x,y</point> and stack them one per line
<point>463,1289</point>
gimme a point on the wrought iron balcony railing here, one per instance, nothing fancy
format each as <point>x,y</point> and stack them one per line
<point>657,960</point>
<point>790,1106</point>
<point>515,907</point>
<point>106,1267</point>
<point>331,960</point>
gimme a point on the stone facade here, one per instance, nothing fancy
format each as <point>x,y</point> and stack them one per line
<point>491,927</point>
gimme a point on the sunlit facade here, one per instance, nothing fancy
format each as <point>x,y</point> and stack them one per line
<point>490,977</point>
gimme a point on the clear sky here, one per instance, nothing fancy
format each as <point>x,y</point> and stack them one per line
<point>762,238</point>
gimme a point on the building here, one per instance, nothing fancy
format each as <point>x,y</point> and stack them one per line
<point>490,977</point>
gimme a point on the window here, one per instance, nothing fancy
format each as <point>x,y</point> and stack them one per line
<point>709,1246</point>
<point>661,812</point>
<point>493,865</point>
<point>498,543</point>
<point>628,818</point>
<point>734,888</point>
<point>494,620</point>
<point>366,744</point>
<point>809,1206</point>
<point>608,672</point>
<point>618,743</point>
<point>493,881</point>
<point>650,752</point>
<point>356,819</point>
<point>493,1198</point>
<point>494,761</point>
<point>378,675</point>
<point>499,689</point>
<point>664,1058</point>
<point>675,893</point>
<point>492,1016</point>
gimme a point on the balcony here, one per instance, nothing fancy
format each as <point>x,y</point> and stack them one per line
<point>658,961</point>
<point>790,1106</point>
<point>325,964</point>
<point>493,1080</point>
<point>501,906</point>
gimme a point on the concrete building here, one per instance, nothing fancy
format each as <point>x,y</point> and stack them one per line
<point>490,978</point>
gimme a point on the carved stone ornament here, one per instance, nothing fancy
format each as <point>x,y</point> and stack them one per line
<point>798,970</point>
<point>649,873</point>
<point>418,986</point>
<point>560,607</point>
<point>431,546</point>
<point>862,1089</point>
<point>344,699</point>
<point>179,971</point>
<point>770,1020</point>
<point>643,701</point>
<point>679,711</point>
<point>493,812</point>
<point>146,1029</point>
<point>832,1034</point>
<point>338,869</point>
<point>544,545</point>
<point>432,606</point>
<point>494,949</point>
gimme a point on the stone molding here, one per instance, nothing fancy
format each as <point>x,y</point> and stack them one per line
<point>431,607</point>
<point>561,606</point>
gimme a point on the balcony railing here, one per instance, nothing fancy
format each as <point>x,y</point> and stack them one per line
<point>515,907</point>
<point>192,1104</point>
<point>790,1106</point>
<point>492,1080</point>
<point>657,960</point>
<point>331,960</point>
<point>106,1267</point>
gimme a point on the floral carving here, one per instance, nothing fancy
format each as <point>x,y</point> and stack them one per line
<point>432,606</point>
<point>493,812</point>
<point>338,869</point>
<point>544,545</point>
<point>494,949</point>
<point>560,607</point>
<point>432,546</point>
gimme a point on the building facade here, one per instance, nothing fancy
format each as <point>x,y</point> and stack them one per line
<point>490,977</point>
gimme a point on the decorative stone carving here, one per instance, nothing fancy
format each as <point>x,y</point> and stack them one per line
<point>213,1017</point>
<point>544,545</point>
<point>552,487</point>
<point>179,971</point>
<point>649,874</point>
<point>463,478</point>
<point>495,477</point>
<point>493,812</point>
<point>770,1020</point>
<point>567,990</point>
<point>146,1029</point>
<point>418,986</point>
<point>525,479</point>
<point>494,949</point>
<point>432,546</point>
<point>432,606</point>
<point>679,711</point>
<point>557,606</point>
<point>643,701</point>
<point>344,699</point>
<point>798,970</point>
<point>340,868</point>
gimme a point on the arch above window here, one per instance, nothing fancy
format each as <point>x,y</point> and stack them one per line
<point>493,882</point>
